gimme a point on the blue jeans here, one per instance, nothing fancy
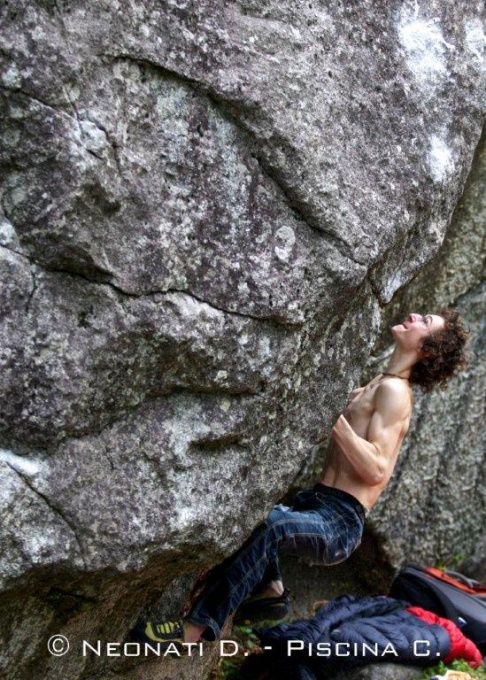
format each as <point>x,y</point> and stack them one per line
<point>324,524</point>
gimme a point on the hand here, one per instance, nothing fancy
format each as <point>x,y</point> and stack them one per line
<point>341,429</point>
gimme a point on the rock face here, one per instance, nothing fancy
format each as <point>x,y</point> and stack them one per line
<point>440,476</point>
<point>206,211</point>
<point>383,671</point>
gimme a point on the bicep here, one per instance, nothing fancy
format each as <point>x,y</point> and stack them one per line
<point>388,421</point>
<point>384,435</point>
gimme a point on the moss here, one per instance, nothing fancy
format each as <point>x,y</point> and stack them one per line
<point>248,643</point>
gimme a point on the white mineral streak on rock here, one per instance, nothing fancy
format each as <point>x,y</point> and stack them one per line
<point>476,39</point>
<point>426,50</point>
<point>243,288</point>
<point>77,148</point>
<point>94,138</point>
<point>190,308</point>
<point>25,466</point>
<point>441,162</point>
<point>285,238</point>
<point>12,78</point>
<point>8,235</point>
<point>393,284</point>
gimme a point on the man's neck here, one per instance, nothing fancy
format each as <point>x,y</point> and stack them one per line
<point>401,363</point>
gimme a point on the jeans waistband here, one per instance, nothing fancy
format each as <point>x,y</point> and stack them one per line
<point>344,495</point>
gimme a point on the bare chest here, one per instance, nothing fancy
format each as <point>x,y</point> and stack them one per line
<point>362,403</point>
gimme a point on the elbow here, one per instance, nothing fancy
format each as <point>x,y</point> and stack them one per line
<point>377,477</point>
<point>378,469</point>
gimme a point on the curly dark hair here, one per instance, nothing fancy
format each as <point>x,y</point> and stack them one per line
<point>442,354</point>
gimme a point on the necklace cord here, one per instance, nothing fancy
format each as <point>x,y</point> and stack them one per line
<point>394,375</point>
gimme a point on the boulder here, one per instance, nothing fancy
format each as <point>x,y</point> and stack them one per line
<point>206,210</point>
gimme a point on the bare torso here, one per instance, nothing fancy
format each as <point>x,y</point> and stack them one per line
<point>338,471</point>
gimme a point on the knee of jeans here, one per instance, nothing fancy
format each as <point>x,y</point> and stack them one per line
<point>339,551</point>
<point>276,514</point>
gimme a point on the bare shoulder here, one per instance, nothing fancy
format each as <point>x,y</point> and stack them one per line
<point>394,386</point>
<point>394,395</point>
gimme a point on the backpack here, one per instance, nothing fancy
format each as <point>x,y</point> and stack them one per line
<point>448,594</point>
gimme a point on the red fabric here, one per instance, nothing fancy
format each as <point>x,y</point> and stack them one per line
<point>461,646</point>
<point>476,589</point>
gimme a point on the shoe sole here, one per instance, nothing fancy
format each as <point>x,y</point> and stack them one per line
<point>268,614</point>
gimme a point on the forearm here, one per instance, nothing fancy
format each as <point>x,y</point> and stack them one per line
<point>362,455</point>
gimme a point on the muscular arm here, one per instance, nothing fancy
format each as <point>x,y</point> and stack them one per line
<point>370,457</point>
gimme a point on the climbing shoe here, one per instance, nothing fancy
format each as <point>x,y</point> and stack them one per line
<point>267,610</point>
<point>165,633</point>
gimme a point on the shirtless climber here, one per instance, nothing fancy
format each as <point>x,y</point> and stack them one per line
<point>326,522</point>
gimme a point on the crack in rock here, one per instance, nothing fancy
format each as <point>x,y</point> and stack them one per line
<point>169,291</point>
<point>56,510</point>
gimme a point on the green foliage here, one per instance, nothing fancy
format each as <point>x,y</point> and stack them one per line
<point>454,562</point>
<point>248,643</point>
<point>456,665</point>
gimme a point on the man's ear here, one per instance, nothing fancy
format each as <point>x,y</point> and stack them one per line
<point>423,352</point>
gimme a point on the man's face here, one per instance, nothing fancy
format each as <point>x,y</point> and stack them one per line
<point>412,332</point>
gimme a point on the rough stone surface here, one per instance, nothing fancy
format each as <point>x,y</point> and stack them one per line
<point>475,563</point>
<point>382,671</point>
<point>206,209</point>
<point>440,477</point>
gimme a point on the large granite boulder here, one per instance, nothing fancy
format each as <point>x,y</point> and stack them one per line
<point>206,210</point>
